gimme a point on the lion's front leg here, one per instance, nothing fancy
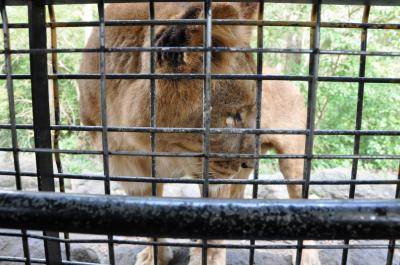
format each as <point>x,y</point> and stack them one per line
<point>215,256</point>
<point>146,256</point>
<point>308,257</point>
<point>135,166</point>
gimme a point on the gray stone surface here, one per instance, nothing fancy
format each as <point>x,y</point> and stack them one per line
<point>84,254</point>
<point>334,191</point>
<point>358,257</point>
<point>125,254</point>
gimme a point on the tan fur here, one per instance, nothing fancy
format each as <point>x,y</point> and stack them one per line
<point>282,108</point>
<point>179,103</point>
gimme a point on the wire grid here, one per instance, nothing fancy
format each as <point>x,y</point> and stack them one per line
<point>44,150</point>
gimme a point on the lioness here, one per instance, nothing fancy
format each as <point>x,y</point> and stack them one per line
<point>179,103</point>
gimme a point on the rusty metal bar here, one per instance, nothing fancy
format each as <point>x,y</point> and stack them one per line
<point>207,92</point>
<point>207,43</point>
<point>41,113</point>
<point>11,107</point>
<point>153,103</point>
<point>260,45</point>
<point>311,106</point>
<point>153,115</point>
<point>359,115</point>
<point>312,92</point>
<point>104,120</point>
<point>56,106</point>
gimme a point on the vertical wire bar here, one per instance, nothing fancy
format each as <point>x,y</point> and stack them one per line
<point>260,37</point>
<point>392,242</point>
<point>312,94</point>
<point>11,108</point>
<point>153,117</point>
<point>260,42</point>
<point>206,106</point>
<point>56,98</point>
<point>152,99</point>
<point>311,104</point>
<point>207,93</point>
<point>104,124</point>
<point>57,119</point>
<point>360,103</point>
<point>41,114</point>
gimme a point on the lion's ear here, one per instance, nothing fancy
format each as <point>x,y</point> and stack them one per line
<point>248,10</point>
<point>192,35</point>
<point>176,36</point>
<point>225,11</point>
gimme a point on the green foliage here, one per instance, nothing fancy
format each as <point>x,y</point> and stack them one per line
<point>336,102</point>
<point>67,63</point>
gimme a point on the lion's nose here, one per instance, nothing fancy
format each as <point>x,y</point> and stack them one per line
<point>247,164</point>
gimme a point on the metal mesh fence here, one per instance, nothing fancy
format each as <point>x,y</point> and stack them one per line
<point>245,223</point>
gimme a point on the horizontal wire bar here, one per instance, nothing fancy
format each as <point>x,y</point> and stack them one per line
<point>238,22</point>
<point>212,130</point>
<point>173,49</point>
<point>21,259</point>
<point>243,131</point>
<point>199,76</point>
<point>149,179</point>
<point>192,244</point>
<point>44,261</point>
<point>194,154</point>
<point>201,49</point>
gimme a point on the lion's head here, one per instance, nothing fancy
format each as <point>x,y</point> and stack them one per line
<point>180,102</point>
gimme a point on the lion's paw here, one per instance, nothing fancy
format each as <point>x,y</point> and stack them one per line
<point>214,256</point>
<point>146,257</point>
<point>309,257</point>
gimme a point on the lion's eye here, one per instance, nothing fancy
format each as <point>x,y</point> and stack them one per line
<point>238,117</point>
<point>230,122</point>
